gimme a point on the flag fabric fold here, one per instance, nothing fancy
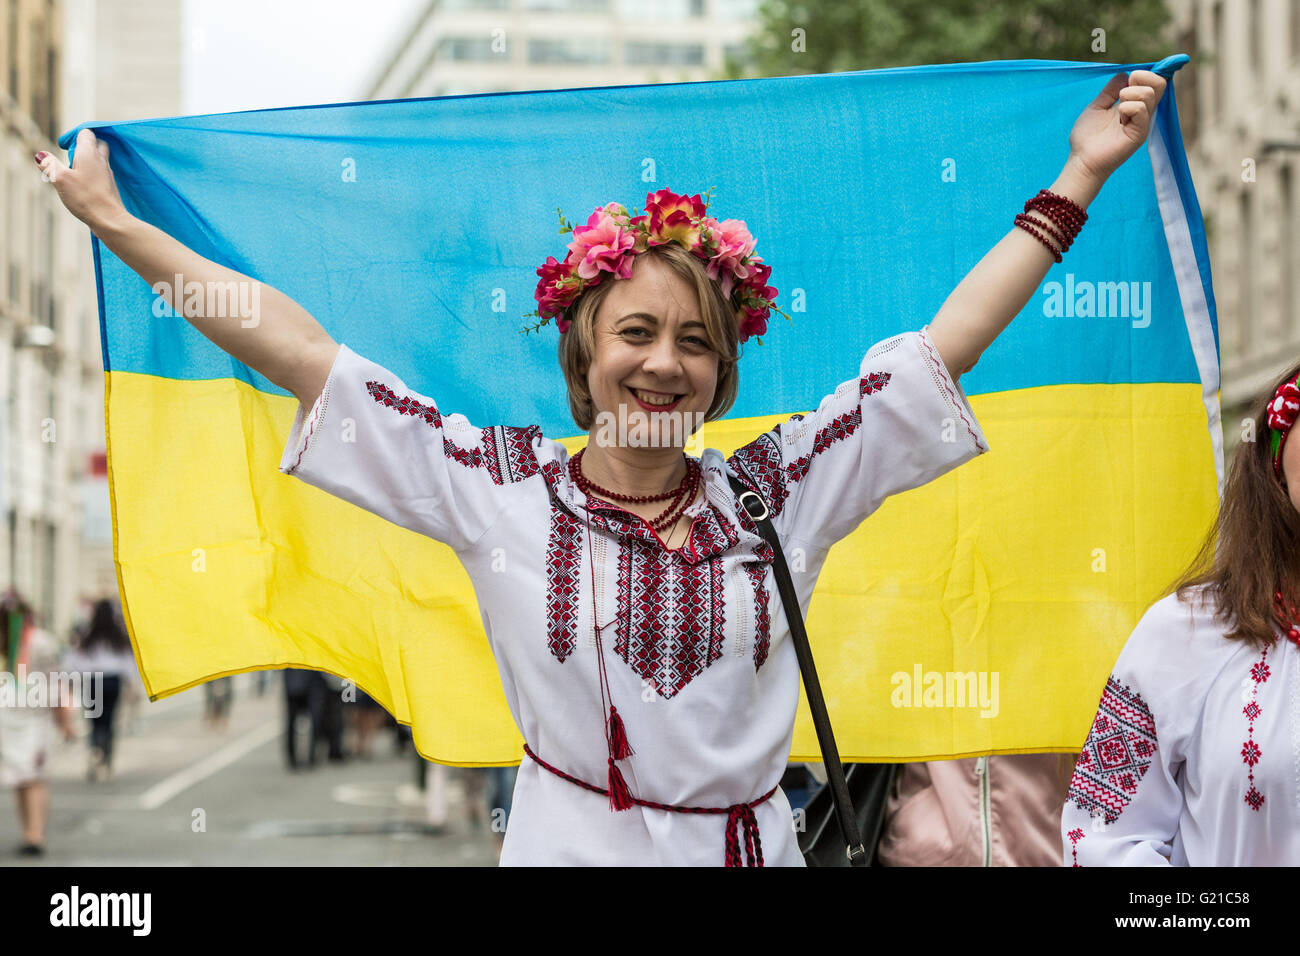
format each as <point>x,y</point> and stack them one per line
<point>978,614</point>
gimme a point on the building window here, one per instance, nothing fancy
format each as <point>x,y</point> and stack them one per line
<point>49,539</point>
<point>1216,32</point>
<point>1293,28</point>
<point>48,318</point>
<point>1255,28</point>
<point>13,49</point>
<point>664,54</point>
<point>742,10</point>
<point>7,211</point>
<point>1246,272</point>
<point>1190,99</point>
<point>468,49</point>
<point>660,9</point>
<point>567,6</point>
<point>52,92</point>
<point>1288,318</point>
<point>568,50</point>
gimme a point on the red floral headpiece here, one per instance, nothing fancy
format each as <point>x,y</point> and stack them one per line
<point>1282,412</point>
<point>611,238</point>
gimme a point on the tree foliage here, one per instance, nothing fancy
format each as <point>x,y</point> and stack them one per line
<point>870,34</point>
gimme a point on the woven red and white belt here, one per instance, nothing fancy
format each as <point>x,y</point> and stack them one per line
<point>740,816</point>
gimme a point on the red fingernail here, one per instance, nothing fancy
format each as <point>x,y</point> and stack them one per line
<point>41,155</point>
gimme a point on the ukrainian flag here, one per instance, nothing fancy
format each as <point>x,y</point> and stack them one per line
<point>412,228</point>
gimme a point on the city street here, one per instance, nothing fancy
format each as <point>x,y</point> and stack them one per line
<point>183,794</point>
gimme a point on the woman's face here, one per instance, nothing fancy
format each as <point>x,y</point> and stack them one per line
<point>650,338</point>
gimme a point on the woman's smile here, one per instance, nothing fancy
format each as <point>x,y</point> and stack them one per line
<point>656,400</point>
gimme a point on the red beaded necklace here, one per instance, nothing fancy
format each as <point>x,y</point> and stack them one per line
<point>681,497</point>
<point>1290,620</point>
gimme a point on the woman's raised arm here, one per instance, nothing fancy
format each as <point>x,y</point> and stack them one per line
<point>283,341</point>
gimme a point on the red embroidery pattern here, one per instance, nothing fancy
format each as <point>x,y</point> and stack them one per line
<point>1117,753</point>
<point>942,370</point>
<point>671,616</point>
<point>762,625</point>
<point>563,566</point>
<point>505,452</point>
<point>1075,836</point>
<point>695,603</point>
<point>1250,752</point>
<point>760,463</point>
<point>757,571</point>
<point>311,427</point>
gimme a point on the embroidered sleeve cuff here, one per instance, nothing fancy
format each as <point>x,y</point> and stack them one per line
<point>307,421</point>
<point>968,427</point>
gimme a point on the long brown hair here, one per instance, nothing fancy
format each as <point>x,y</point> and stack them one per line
<point>1253,548</point>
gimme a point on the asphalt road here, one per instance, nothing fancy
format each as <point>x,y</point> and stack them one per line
<point>184,794</point>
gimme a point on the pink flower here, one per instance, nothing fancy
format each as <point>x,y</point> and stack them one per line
<point>733,244</point>
<point>603,245</point>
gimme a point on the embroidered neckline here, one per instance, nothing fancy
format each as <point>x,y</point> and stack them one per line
<point>713,527</point>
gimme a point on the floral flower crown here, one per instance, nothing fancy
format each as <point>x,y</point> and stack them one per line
<point>611,238</point>
<point>1282,412</point>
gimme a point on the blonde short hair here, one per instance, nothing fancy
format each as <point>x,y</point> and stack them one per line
<point>722,331</point>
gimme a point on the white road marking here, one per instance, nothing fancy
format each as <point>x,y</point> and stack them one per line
<point>182,780</point>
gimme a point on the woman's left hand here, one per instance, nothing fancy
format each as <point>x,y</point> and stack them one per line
<point>1105,134</point>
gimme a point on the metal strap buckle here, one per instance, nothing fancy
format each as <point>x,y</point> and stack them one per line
<point>855,851</point>
<point>762,504</point>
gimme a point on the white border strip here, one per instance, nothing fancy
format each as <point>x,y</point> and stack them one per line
<point>1196,310</point>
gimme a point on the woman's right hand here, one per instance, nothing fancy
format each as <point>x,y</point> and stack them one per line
<point>87,188</point>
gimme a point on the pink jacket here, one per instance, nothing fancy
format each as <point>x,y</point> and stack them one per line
<point>977,811</point>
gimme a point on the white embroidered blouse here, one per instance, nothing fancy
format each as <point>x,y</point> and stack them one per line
<point>1193,758</point>
<point>698,655</point>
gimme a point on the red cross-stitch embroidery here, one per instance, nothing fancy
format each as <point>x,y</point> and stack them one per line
<point>563,566</point>
<point>504,451</point>
<point>760,461</point>
<point>1250,752</point>
<point>1075,836</point>
<point>757,572</point>
<point>671,605</point>
<point>671,616</point>
<point>762,625</point>
<point>1117,753</point>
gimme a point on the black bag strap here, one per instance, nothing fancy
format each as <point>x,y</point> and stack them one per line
<point>757,509</point>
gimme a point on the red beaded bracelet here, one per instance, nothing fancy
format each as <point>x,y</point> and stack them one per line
<point>1023,222</point>
<point>1067,215</point>
<point>1062,240</point>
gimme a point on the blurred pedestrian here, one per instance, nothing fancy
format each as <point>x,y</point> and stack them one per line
<point>488,793</point>
<point>331,690</point>
<point>217,697</point>
<point>304,695</point>
<point>30,656</point>
<point>368,717</point>
<point>103,654</point>
<point>433,780</point>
